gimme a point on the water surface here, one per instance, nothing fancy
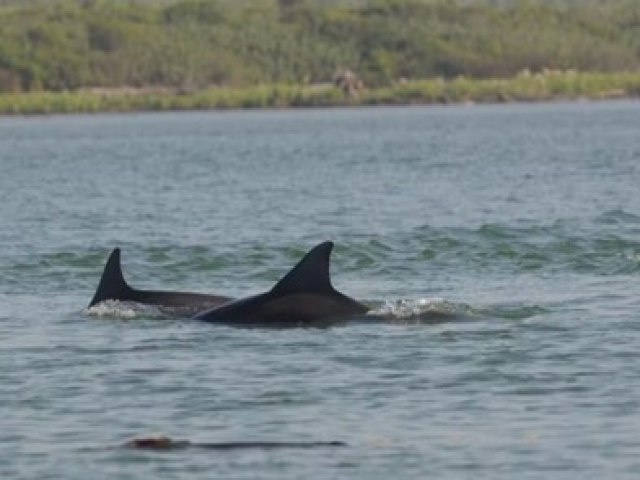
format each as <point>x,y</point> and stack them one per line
<point>502,241</point>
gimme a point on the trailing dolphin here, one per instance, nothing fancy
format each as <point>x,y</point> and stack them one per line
<point>304,296</point>
<point>113,286</point>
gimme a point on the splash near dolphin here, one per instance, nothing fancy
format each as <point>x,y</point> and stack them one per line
<point>113,286</point>
<point>304,296</point>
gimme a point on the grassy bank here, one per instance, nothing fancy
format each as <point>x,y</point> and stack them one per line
<point>546,86</point>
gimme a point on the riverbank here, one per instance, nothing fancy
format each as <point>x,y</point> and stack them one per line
<point>525,87</point>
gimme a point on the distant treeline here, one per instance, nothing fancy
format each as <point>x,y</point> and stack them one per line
<point>193,44</point>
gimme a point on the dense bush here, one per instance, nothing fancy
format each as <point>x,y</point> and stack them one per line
<point>193,44</point>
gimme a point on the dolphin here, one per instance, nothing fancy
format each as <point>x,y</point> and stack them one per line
<point>113,286</point>
<point>165,443</point>
<point>304,296</point>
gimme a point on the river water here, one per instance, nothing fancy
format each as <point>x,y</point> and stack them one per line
<point>502,243</point>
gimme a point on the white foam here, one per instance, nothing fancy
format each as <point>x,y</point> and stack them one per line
<point>118,309</point>
<point>419,308</point>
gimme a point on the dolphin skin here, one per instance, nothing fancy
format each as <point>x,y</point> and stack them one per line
<point>165,443</point>
<point>304,296</point>
<point>113,286</point>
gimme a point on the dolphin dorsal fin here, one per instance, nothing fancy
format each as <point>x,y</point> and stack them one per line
<point>112,285</point>
<point>311,274</point>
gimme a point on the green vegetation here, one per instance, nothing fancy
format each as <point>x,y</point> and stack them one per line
<point>524,87</point>
<point>160,54</point>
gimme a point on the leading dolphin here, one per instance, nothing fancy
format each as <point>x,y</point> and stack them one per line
<point>113,286</point>
<point>304,296</point>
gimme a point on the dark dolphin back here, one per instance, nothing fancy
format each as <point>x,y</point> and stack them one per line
<point>112,285</point>
<point>310,275</point>
<point>303,296</point>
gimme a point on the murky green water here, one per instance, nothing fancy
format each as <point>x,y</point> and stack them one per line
<point>503,241</point>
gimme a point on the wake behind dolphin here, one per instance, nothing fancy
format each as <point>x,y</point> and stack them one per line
<point>304,296</point>
<point>113,286</point>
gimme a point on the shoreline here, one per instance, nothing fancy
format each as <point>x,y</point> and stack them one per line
<point>547,86</point>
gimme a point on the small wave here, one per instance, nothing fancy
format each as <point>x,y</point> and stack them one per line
<point>513,312</point>
<point>612,248</point>
<point>428,310</point>
<point>439,310</point>
<point>617,217</point>
<point>124,310</point>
